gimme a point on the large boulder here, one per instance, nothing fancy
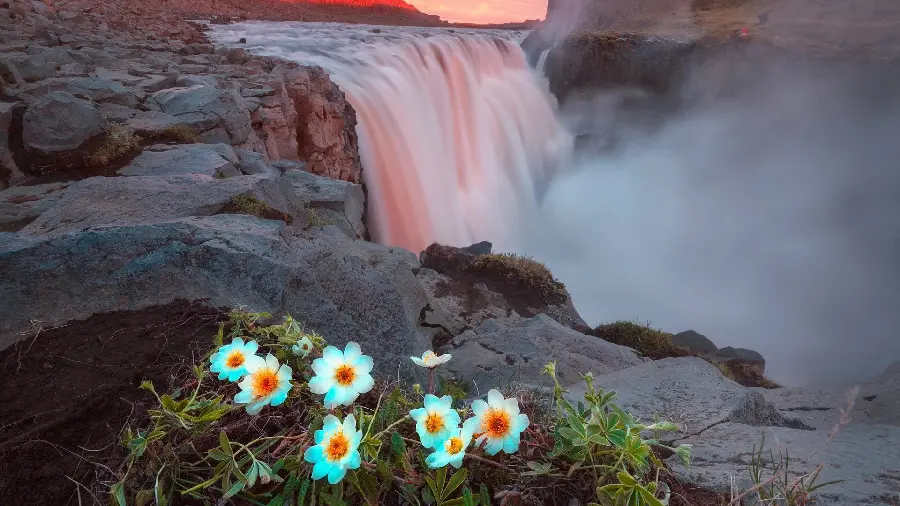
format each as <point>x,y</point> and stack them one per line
<point>694,341</point>
<point>217,160</point>
<point>93,88</point>
<point>343,289</point>
<point>58,122</point>
<point>146,199</point>
<point>500,351</point>
<point>335,201</point>
<point>206,108</point>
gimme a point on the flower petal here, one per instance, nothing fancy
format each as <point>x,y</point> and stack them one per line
<point>320,385</point>
<point>237,342</point>
<point>333,357</point>
<point>336,474</point>
<point>418,414</point>
<point>495,398</point>
<point>363,383</point>
<point>352,352</point>
<point>479,407</point>
<point>322,368</point>
<point>243,397</point>
<point>350,425</point>
<point>331,423</point>
<point>314,454</point>
<point>271,362</point>
<point>520,422</point>
<point>511,406</point>
<point>354,460</point>
<point>321,469</point>
<point>457,460</point>
<point>493,446</point>
<point>418,361</point>
<point>285,372</point>
<point>511,444</point>
<point>251,347</point>
<point>363,364</point>
<point>254,363</point>
<point>278,398</point>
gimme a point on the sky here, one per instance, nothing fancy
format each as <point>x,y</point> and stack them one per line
<point>483,11</point>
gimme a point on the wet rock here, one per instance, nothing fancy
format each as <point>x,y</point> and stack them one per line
<point>21,205</point>
<point>344,202</point>
<point>59,122</point>
<point>504,350</point>
<point>96,89</point>
<point>106,201</point>
<point>343,289</point>
<point>205,108</point>
<point>214,160</point>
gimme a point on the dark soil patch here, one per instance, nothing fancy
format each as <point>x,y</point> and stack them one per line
<point>68,391</point>
<point>691,495</point>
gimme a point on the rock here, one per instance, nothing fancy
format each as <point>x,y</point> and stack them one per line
<point>346,200</point>
<point>688,391</point>
<point>481,248</point>
<point>100,201</point>
<point>275,123</point>
<point>153,123</point>
<point>741,354</point>
<point>463,291</point>
<point>756,410</point>
<point>152,83</point>
<point>504,350</point>
<point>188,81</point>
<point>9,170</point>
<point>857,456</point>
<point>326,124</point>
<point>209,159</point>
<point>205,108</point>
<point>237,56</point>
<point>59,122</point>
<point>98,90</point>
<point>694,342</point>
<point>287,165</point>
<point>343,289</point>
<point>255,163</point>
<point>25,68</point>
<point>21,205</point>
<point>119,76</point>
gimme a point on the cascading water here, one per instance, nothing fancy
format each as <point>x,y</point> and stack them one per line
<point>456,131</point>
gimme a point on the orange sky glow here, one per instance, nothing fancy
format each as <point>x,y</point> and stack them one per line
<point>483,11</point>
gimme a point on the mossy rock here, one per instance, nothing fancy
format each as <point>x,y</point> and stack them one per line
<point>649,342</point>
<point>250,205</point>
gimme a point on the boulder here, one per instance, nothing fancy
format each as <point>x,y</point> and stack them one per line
<point>275,122</point>
<point>9,170</point>
<point>99,201</point>
<point>216,160</point>
<point>21,205</point>
<point>93,88</point>
<point>688,391</point>
<point>206,107</point>
<point>153,123</point>
<point>465,288</point>
<point>341,202</point>
<point>255,163</point>
<point>18,68</point>
<point>694,342</point>
<point>504,350</point>
<point>59,122</point>
<point>343,289</point>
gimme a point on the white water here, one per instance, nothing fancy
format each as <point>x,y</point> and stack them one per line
<point>455,129</point>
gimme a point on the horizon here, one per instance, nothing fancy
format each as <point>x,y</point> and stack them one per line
<point>483,11</point>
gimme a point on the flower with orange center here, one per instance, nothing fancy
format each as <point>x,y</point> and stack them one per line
<point>336,449</point>
<point>230,360</point>
<point>430,359</point>
<point>453,450</point>
<point>497,423</point>
<point>436,420</point>
<point>302,347</point>
<point>341,376</point>
<point>266,383</point>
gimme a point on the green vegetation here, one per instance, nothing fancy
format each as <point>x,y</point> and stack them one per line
<point>118,143</point>
<point>250,205</point>
<point>179,134</point>
<point>315,220</point>
<point>521,274</point>
<point>649,342</point>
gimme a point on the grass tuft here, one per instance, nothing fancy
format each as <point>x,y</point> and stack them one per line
<point>649,342</point>
<point>179,134</point>
<point>522,274</point>
<point>250,205</point>
<point>118,143</point>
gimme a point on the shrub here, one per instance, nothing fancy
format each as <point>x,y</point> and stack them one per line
<point>118,143</point>
<point>522,274</point>
<point>250,205</point>
<point>651,343</point>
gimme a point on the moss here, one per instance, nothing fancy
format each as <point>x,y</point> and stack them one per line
<point>315,220</point>
<point>521,273</point>
<point>651,343</point>
<point>250,205</point>
<point>118,143</point>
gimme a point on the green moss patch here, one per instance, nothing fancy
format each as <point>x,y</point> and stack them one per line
<point>250,205</point>
<point>649,342</point>
<point>119,143</point>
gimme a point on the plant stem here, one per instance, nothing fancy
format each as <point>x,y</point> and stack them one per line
<point>391,426</point>
<point>431,381</point>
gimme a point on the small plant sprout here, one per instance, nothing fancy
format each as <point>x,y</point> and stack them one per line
<point>436,420</point>
<point>430,360</point>
<point>453,449</point>
<point>342,376</point>
<point>230,361</point>
<point>336,449</point>
<point>266,383</point>
<point>498,423</point>
<point>303,347</point>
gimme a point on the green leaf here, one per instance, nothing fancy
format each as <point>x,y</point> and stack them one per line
<point>237,487</point>
<point>398,445</point>
<point>569,434</point>
<point>537,469</point>
<point>454,502</point>
<point>432,486</point>
<point>455,481</point>
<point>224,444</point>
<point>484,495</point>
<point>649,498</point>
<point>252,474</point>
<point>167,403</point>
<point>468,499</point>
<point>117,491</point>
<point>617,437</point>
<point>626,479</point>
<point>217,455</point>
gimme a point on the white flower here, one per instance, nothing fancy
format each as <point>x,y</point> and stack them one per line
<point>453,449</point>
<point>498,423</point>
<point>436,420</point>
<point>265,383</point>
<point>431,360</point>
<point>302,347</point>
<point>342,376</point>
<point>336,449</point>
<point>230,361</point>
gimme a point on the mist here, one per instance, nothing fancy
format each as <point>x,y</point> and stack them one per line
<point>764,214</point>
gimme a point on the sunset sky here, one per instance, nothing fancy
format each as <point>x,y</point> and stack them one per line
<point>483,11</point>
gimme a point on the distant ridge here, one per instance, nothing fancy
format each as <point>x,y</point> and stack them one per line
<point>362,4</point>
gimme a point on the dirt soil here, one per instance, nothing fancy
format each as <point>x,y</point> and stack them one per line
<point>67,392</point>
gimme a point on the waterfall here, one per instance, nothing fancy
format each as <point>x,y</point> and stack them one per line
<point>457,133</point>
